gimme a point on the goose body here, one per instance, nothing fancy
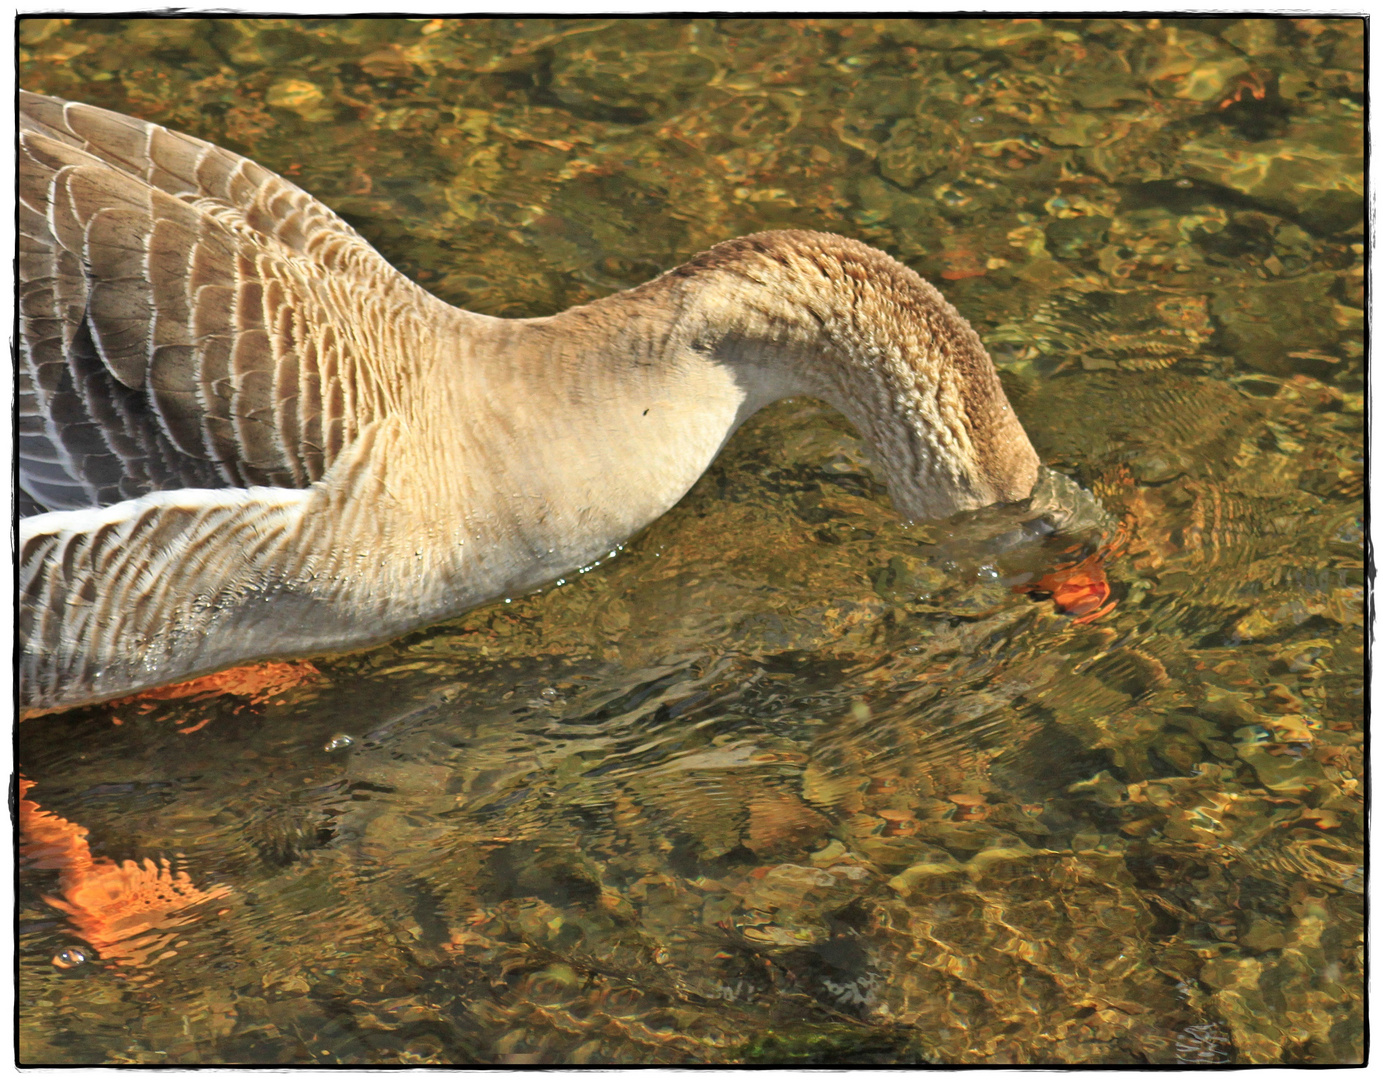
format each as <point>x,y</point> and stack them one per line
<point>242,434</point>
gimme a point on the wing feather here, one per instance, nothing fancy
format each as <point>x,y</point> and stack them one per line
<point>188,318</point>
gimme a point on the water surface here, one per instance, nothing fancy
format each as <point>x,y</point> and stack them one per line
<point>784,781</point>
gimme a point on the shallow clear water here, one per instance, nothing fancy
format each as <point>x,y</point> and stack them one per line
<point>784,781</point>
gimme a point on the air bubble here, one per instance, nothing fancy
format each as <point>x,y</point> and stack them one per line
<point>70,958</point>
<point>338,742</point>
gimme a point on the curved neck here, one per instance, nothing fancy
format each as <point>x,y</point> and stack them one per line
<point>653,380</point>
<point>577,430</point>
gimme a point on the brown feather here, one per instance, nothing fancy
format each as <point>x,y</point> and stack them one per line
<point>189,274</point>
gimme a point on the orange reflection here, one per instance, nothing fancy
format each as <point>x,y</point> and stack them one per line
<point>128,912</point>
<point>259,683</point>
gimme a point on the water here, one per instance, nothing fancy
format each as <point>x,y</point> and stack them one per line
<point>784,781</point>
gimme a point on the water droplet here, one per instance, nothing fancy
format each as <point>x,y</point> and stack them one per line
<point>70,958</point>
<point>338,742</point>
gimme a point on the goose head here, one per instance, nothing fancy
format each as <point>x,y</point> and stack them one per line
<point>815,314</point>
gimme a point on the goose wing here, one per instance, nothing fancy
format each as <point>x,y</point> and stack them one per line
<point>110,596</point>
<point>188,319</point>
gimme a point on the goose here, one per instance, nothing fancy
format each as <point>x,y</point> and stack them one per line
<point>243,435</point>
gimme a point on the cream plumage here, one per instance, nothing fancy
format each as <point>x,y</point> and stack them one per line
<point>243,434</point>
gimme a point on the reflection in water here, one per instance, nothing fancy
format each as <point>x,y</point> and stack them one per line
<point>126,911</point>
<point>785,781</point>
<point>257,684</point>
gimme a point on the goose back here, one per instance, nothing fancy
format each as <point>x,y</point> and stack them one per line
<point>189,319</point>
